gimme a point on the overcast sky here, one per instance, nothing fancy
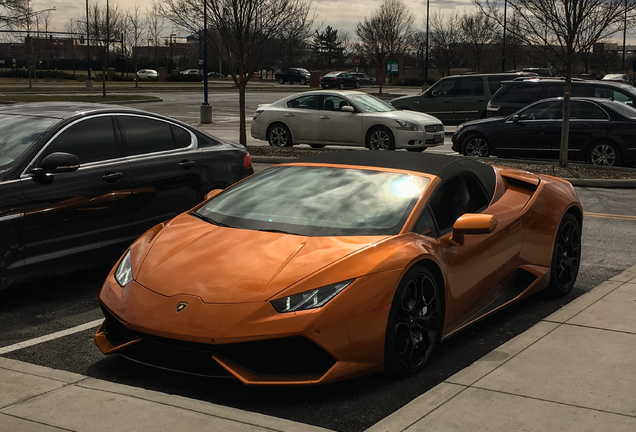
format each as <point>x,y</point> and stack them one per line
<point>342,15</point>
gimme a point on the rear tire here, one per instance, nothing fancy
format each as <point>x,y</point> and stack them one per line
<point>279,135</point>
<point>281,81</point>
<point>415,322</point>
<point>566,256</point>
<point>604,154</point>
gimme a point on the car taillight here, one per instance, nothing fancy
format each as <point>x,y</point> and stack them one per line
<point>247,161</point>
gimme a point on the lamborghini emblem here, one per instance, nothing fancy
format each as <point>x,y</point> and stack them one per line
<point>181,306</point>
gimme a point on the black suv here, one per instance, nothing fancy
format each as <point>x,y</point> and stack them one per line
<point>516,94</point>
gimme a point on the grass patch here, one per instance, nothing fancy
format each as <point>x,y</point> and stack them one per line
<point>9,98</point>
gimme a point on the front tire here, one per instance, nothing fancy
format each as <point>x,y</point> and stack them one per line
<point>566,256</point>
<point>281,81</point>
<point>605,154</point>
<point>380,138</point>
<point>415,321</point>
<point>303,82</point>
<point>279,136</point>
<point>475,145</point>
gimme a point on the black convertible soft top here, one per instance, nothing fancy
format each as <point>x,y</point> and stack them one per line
<point>439,165</point>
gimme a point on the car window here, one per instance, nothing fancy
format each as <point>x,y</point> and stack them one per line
<point>586,110</point>
<point>90,140</point>
<point>494,82</point>
<point>19,133</point>
<point>457,196</point>
<point>542,111</point>
<point>617,95</point>
<point>305,102</point>
<point>370,103</point>
<point>145,135</point>
<point>444,87</point>
<point>334,103</point>
<point>555,90</point>
<point>521,93</point>
<point>473,86</point>
<point>182,137</point>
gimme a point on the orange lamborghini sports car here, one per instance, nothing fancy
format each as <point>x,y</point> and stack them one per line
<point>338,265</point>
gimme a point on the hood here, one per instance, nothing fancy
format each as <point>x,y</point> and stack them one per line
<point>415,116</point>
<point>485,121</point>
<point>229,265</point>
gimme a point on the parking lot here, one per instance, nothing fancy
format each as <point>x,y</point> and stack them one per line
<point>51,322</point>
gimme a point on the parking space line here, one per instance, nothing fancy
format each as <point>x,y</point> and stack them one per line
<point>609,216</point>
<point>52,336</point>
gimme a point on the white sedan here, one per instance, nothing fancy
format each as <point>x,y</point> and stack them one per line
<point>352,118</point>
<point>147,73</point>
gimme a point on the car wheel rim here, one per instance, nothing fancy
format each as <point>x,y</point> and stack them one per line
<point>418,321</point>
<point>278,137</point>
<point>379,141</point>
<point>477,147</point>
<point>568,253</point>
<point>603,155</point>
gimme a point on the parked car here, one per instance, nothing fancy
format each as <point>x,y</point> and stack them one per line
<point>601,132</point>
<point>215,75</point>
<point>147,73</point>
<point>190,72</point>
<point>320,118</point>
<point>455,99</point>
<point>339,265</point>
<point>518,93</point>
<point>79,182</point>
<point>365,80</point>
<point>293,75</point>
<point>624,78</point>
<point>339,80</point>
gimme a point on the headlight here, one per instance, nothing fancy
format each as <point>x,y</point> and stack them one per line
<point>459,127</point>
<point>256,114</point>
<point>404,125</point>
<point>123,273</point>
<point>309,299</point>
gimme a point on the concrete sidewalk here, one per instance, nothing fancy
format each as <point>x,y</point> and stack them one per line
<point>573,371</point>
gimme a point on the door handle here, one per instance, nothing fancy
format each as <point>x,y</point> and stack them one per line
<point>324,117</point>
<point>289,115</point>
<point>112,177</point>
<point>186,164</point>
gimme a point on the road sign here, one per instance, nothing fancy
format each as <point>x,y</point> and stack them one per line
<point>356,61</point>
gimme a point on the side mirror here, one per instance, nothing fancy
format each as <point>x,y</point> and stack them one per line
<point>57,162</point>
<point>212,194</point>
<point>347,108</point>
<point>471,223</point>
<point>516,119</point>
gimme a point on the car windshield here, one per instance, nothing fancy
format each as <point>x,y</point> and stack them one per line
<point>19,133</point>
<point>318,201</point>
<point>371,103</point>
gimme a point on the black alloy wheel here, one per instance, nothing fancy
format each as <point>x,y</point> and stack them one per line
<point>475,145</point>
<point>415,323</point>
<point>566,256</point>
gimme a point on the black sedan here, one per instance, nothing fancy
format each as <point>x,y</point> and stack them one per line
<point>601,132</point>
<point>340,80</point>
<point>79,182</point>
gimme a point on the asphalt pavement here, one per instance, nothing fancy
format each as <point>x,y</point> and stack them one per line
<point>573,371</point>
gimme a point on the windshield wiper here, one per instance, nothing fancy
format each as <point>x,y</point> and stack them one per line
<point>212,221</point>
<point>272,230</point>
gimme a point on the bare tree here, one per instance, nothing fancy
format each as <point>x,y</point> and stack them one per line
<point>446,35</point>
<point>566,29</point>
<point>135,36</point>
<point>293,40</point>
<point>244,29</point>
<point>386,33</point>
<point>479,34</point>
<point>156,27</point>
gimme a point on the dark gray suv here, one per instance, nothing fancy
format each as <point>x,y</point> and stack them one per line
<point>458,98</point>
<point>516,94</point>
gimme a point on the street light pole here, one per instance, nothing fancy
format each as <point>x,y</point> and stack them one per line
<point>89,83</point>
<point>206,109</point>
<point>426,53</point>
<point>170,60</point>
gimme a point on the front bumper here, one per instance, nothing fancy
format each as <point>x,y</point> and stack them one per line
<point>249,341</point>
<point>418,139</point>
